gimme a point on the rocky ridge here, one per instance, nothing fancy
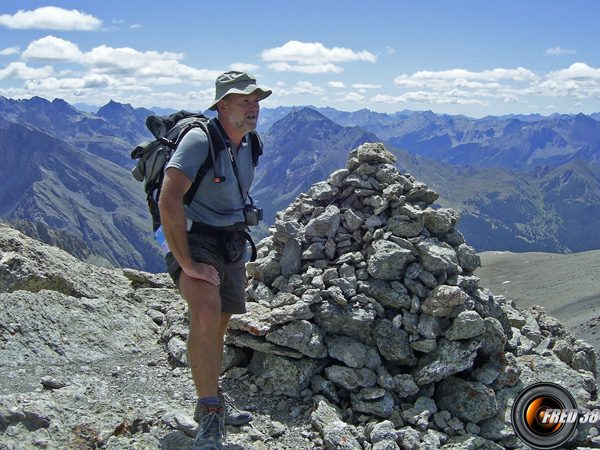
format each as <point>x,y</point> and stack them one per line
<point>365,329</point>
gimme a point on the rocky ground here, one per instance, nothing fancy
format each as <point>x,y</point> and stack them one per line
<point>566,286</point>
<point>83,364</point>
<point>366,330</point>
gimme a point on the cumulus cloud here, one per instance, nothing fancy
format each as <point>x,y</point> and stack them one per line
<point>122,61</point>
<point>578,81</point>
<point>366,86</point>
<point>307,57</point>
<point>20,71</point>
<point>429,97</point>
<point>104,72</point>
<point>126,60</point>
<point>305,68</point>
<point>10,51</point>
<point>302,87</point>
<point>443,79</point>
<point>305,87</point>
<point>560,51</point>
<point>244,67</point>
<point>50,18</point>
<point>336,84</point>
<point>353,97</point>
<point>576,72</point>
<point>460,86</point>
<point>52,49</point>
<point>53,84</point>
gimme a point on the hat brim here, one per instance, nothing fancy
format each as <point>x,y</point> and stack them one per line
<point>263,93</point>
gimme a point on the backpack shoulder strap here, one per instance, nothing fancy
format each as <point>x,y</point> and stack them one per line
<point>215,145</point>
<point>257,147</point>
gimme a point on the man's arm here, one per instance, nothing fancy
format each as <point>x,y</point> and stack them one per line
<point>173,220</point>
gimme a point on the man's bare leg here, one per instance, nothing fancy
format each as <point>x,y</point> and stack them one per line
<point>207,330</point>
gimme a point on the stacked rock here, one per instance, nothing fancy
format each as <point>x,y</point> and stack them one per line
<point>364,293</point>
<point>363,287</point>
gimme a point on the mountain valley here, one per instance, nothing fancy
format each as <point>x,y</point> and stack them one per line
<point>519,183</point>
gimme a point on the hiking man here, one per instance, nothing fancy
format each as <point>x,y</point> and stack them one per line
<point>207,261</point>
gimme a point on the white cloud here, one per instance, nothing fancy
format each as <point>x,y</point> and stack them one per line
<point>307,57</point>
<point>244,67</point>
<point>353,97</point>
<point>315,53</point>
<point>305,87</point>
<point>305,68</point>
<point>463,87</point>
<point>427,97</point>
<point>20,71</point>
<point>366,86</point>
<point>126,60</point>
<point>302,87</point>
<point>52,49</point>
<point>511,99</point>
<point>52,84</point>
<point>578,81</point>
<point>576,72</point>
<point>560,51</point>
<point>443,79</point>
<point>10,51</point>
<point>336,84</point>
<point>122,61</point>
<point>50,18</point>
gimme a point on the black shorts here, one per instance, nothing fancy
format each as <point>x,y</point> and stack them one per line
<point>231,268</point>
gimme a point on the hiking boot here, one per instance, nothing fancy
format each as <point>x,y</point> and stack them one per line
<point>233,415</point>
<point>211,426</point>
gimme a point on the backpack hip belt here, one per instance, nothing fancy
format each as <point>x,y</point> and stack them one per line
<point>224,237</point>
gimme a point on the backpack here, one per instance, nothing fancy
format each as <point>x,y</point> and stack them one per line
<point>153,156</point>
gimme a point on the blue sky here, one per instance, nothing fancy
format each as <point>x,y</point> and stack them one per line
<point>457,57</point>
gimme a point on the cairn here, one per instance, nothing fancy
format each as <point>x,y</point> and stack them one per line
<point>364,294</point>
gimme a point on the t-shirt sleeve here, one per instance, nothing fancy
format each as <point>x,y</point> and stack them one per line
<point>191,153</point>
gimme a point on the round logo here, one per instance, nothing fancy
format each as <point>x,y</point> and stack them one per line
<point>545,416</point>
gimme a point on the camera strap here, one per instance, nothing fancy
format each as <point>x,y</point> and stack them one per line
<point>237,177</point>
<point>244,197</point>
<point>227,145</point>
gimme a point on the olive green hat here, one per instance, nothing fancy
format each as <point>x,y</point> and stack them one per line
<point>235,82</point>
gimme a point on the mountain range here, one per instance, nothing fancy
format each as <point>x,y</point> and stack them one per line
<point>521,183</point>
<point>516,142</point>
<point>47,184</point>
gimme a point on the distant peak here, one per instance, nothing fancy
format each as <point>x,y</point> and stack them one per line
<point>113,107</point>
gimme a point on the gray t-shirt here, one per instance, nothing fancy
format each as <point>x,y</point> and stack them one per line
<point>217,204</point>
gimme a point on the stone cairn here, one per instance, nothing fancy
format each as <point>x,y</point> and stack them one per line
<point>364,296</point>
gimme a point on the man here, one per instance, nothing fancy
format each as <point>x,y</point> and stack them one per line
<point>208,262</point>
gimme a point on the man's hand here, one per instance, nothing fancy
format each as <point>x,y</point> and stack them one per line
<point>172,213</point>
<point>202,271</point>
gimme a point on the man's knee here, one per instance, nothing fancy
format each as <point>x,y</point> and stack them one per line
<point>203,299</point>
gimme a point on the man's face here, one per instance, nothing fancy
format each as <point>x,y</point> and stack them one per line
<point>241,111</point>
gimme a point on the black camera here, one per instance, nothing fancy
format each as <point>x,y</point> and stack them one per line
<point>252,214</point>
